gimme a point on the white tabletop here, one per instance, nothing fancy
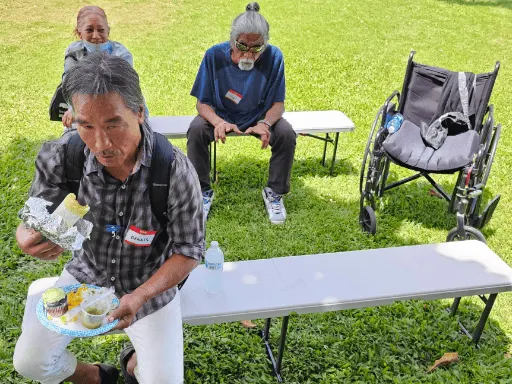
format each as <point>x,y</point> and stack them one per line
<point>302,122</point>
<point>327,282</point>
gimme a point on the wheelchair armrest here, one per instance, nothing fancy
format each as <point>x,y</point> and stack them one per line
<point>488,125</point>
<point>385,109</point>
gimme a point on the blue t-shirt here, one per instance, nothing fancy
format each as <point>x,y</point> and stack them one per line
<point>240,97</point>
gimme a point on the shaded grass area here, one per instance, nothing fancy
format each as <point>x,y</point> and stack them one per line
<point>339,55</point>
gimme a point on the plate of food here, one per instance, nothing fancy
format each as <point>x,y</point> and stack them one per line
<point>78,310</point>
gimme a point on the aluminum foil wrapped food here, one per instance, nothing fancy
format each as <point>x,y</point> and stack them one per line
<point>65,226</point>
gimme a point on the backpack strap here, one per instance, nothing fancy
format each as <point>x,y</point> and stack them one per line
<point>161,162</point>
<point>160,173</point>
<point>74,163</point>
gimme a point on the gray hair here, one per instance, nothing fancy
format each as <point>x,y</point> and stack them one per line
<point>101,73</point>
<point>250,22</point>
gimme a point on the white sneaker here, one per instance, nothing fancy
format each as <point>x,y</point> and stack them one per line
<point>275,206</point>
<point>207,203</point>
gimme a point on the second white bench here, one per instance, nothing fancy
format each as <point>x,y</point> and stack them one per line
<point>312,124</point>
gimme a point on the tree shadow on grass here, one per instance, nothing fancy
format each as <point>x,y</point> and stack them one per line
<point>482,3</point>
<point>414,202</point>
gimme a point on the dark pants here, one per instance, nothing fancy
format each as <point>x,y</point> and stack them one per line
<point>282,141</point>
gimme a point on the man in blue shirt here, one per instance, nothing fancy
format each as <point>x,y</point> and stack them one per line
<point>240,87</point>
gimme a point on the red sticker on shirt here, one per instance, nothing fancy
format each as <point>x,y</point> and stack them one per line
<point>139,237</point>
<point>234,96</point>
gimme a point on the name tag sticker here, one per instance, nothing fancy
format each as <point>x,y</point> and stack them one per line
<point>139,237</point>
<point>234,96</point>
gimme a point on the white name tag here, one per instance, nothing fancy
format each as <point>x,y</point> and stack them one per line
<point>139,237</point>
<point>235,97</point>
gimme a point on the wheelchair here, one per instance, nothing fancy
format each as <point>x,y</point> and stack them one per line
<point>428,93</point>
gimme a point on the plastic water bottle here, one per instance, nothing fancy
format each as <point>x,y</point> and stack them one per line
<point>214,262</point>
<point>394,122</point>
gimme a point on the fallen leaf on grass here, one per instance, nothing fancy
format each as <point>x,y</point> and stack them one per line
<point>434,193</point>
<point>448,358</point>
<point>248,324</point>
<point>508,355</point>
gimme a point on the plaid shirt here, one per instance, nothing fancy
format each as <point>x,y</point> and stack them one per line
<point>106,259</point>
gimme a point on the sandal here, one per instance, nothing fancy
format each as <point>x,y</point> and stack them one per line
<point>108,373</point>
<point>124,357</point>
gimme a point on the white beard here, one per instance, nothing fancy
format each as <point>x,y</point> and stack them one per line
<point>246,64</point>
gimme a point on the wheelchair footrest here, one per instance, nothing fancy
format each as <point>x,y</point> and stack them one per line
<point>486,216</point>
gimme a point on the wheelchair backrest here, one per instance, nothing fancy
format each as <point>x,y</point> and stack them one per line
<point>425,87</point>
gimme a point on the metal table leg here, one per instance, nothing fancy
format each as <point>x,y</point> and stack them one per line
<point>276,364</point>
<point>282,341</point>
<point>334,152</point>
<point>483,319</point>
<point>455,306</point>
<point>327,139</point>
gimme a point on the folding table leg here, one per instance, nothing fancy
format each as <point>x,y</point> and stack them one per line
<point>334,152</point>
<point>266,330</point>
<point>483,318</point>
<point>455,306</point>
<point>276,364</point>
<point>282,341</point>
<point>327,139</point>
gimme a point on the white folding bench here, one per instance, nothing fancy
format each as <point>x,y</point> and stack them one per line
<point>309,124</point>
<point>277,287</point>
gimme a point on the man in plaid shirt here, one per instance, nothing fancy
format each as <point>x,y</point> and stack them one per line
<point>109,112</point>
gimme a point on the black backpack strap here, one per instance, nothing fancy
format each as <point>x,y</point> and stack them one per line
<point>161,162</point>
<point>74,163</point>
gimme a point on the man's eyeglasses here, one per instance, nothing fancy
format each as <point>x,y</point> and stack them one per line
<point>244,48</point>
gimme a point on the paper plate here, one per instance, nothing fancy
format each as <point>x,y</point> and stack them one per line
<point>75,328</point>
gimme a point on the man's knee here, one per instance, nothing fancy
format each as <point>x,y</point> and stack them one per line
<point>28,364</point>
<point>198,130</point>
<point>284,132</point>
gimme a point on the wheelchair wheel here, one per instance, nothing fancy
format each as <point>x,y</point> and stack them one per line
<point>373,164</point>
<point>368,220</point>
<point>453,206</point>
<point>475,219</point>
<point>470,234</point>
<point>368,153</point>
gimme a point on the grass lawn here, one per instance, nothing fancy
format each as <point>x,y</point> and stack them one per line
<point>347,55</point>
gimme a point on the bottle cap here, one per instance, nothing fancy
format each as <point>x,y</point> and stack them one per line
<point>214,244</point>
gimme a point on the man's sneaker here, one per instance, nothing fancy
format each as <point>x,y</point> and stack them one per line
<point>274,205</point>
<point>207,203</point>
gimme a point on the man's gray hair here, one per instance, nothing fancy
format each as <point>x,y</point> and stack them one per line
<point>250,22</point>
<point>101,73</point>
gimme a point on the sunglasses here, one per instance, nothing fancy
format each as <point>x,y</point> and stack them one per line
<point>244,48</point>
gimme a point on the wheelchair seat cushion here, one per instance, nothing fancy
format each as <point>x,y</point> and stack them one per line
<point>406,146</point>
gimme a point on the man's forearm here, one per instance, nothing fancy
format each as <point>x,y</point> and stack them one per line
<point>170,274</point>
<point>207,113</point>
<point>274,113</point>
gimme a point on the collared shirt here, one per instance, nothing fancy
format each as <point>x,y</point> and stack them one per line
<point>240,97</point>
<point>106,259</point>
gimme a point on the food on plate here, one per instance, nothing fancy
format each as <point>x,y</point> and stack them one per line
<point>70,210</point>
<point>55,302</point>
<point>93,315</point>
<point>76,298</point>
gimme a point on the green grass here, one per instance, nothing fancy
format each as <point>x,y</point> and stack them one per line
<point>347,55</point>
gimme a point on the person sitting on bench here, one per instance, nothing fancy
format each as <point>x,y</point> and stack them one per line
<point>93,31</point>
<point>240,87</point>
<point>118,181</point>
